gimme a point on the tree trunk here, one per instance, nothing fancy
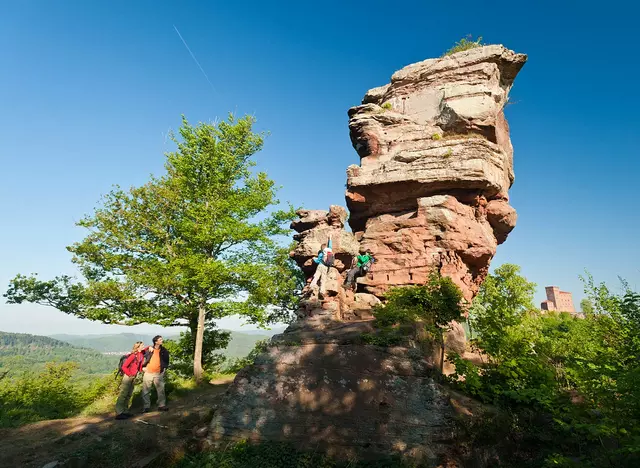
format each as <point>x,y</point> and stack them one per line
<point>442,348</point>
<point>197,355</point>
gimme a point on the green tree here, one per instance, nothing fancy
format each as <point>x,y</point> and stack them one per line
<point>501,302</point>
<point>194,245</point>
<point>586,306</point>
<point>183,349</point>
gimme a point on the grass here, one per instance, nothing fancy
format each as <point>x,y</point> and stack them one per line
<point>278,455</point>
<point>463,136</point>
<point>466,43</point>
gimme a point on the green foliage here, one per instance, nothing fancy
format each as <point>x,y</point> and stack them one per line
<point>384,338</point>
<point>387,105</point>
<point>586,306</point>
<point>502,302</point>
<point>569,386</point>
<point>448,154</point>
<point>278,455</point>
<point>430,306</point>
<point>50,394</point>
<point>194,245</point>
<point>436,136</point>
<point>465,43</point>
<point>183,348</point>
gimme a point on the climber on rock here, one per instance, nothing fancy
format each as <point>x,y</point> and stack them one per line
<point>360,266</point>
<point>324,260</point>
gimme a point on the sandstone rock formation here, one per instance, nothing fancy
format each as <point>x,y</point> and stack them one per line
<point>430,193</point>
<point>436,165</point>
<point>345,398</point>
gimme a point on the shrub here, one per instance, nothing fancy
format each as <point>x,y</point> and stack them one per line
<point>465,43</point>
<point>569,387</point>
<point>424,311</point>
<point>278,455</point>
<point>436,136</point>
<point>386,105</point>
<point>182,351</point>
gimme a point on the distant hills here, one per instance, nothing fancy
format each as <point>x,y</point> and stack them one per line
<point>21,352</point>
<point>95,354</point>
<point>240,345</point>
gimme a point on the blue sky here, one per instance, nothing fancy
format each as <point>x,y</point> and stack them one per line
<point>88,91</point>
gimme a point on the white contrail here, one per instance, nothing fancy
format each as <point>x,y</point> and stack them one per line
<point>195,59</point>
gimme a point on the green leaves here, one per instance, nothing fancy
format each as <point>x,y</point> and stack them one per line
<point>201,236</point>
<point>434,304</point>
<point>581,377</point>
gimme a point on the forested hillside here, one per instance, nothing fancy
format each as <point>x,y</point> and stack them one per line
<point>20,352</point>
<point>239,346</point>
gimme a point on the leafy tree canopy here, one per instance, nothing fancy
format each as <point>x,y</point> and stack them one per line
<point>197,244</point>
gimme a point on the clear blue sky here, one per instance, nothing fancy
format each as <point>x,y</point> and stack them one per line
<point>88,91</point>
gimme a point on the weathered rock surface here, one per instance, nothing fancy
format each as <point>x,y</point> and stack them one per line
<point>431,193</point>
<point>436,166</point>
<point>345,398</point>
<point>313,229</point>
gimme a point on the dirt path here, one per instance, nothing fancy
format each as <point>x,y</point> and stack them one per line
<point>146,439</point>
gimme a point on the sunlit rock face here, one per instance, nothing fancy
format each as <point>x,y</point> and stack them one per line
<point>431,190</point>
<point>431,193</point>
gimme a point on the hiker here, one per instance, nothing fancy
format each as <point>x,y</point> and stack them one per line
<point>324,260</point>
<point>362,266</point>
<point>156,361</point>
<point>130,367</point>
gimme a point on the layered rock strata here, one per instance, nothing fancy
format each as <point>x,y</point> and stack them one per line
<point>436,166</point>
<point>430,193</point>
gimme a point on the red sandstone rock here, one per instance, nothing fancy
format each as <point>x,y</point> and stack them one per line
<point>314,228</point>
<point>431,188</point>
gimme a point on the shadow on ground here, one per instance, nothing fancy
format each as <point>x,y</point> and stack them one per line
<point>100,441</point>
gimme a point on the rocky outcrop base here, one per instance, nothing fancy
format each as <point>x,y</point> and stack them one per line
<point>345,398</point>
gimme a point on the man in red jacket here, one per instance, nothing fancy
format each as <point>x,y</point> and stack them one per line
<point>130,368</point>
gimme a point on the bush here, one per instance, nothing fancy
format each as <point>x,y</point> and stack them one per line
<point>569,387</point>
<point>432,305</point>
<point>50,394</point>
<point>465,43</point>
<point>278,455</point>
<point>183,349</point>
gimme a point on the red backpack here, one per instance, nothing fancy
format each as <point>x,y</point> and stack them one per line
<point>328,258</point>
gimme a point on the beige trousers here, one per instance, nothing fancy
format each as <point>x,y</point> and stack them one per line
<point>157,380</point>
<point>320,276</point>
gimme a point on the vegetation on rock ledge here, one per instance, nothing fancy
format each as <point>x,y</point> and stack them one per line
<point>463,44</point>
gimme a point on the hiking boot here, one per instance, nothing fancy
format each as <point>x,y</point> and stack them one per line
<point>146,410</point>
<point>123,416</point>
<point>128,415</point>
<point>163,408</point>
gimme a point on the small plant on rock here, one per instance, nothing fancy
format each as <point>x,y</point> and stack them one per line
<point>426,308</point>
<point>436,136</point>
<point>448,154</point>
<point>465,43</point>
<point>387,105</point>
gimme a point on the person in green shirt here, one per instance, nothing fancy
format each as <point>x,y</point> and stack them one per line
<point>363,264</point>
